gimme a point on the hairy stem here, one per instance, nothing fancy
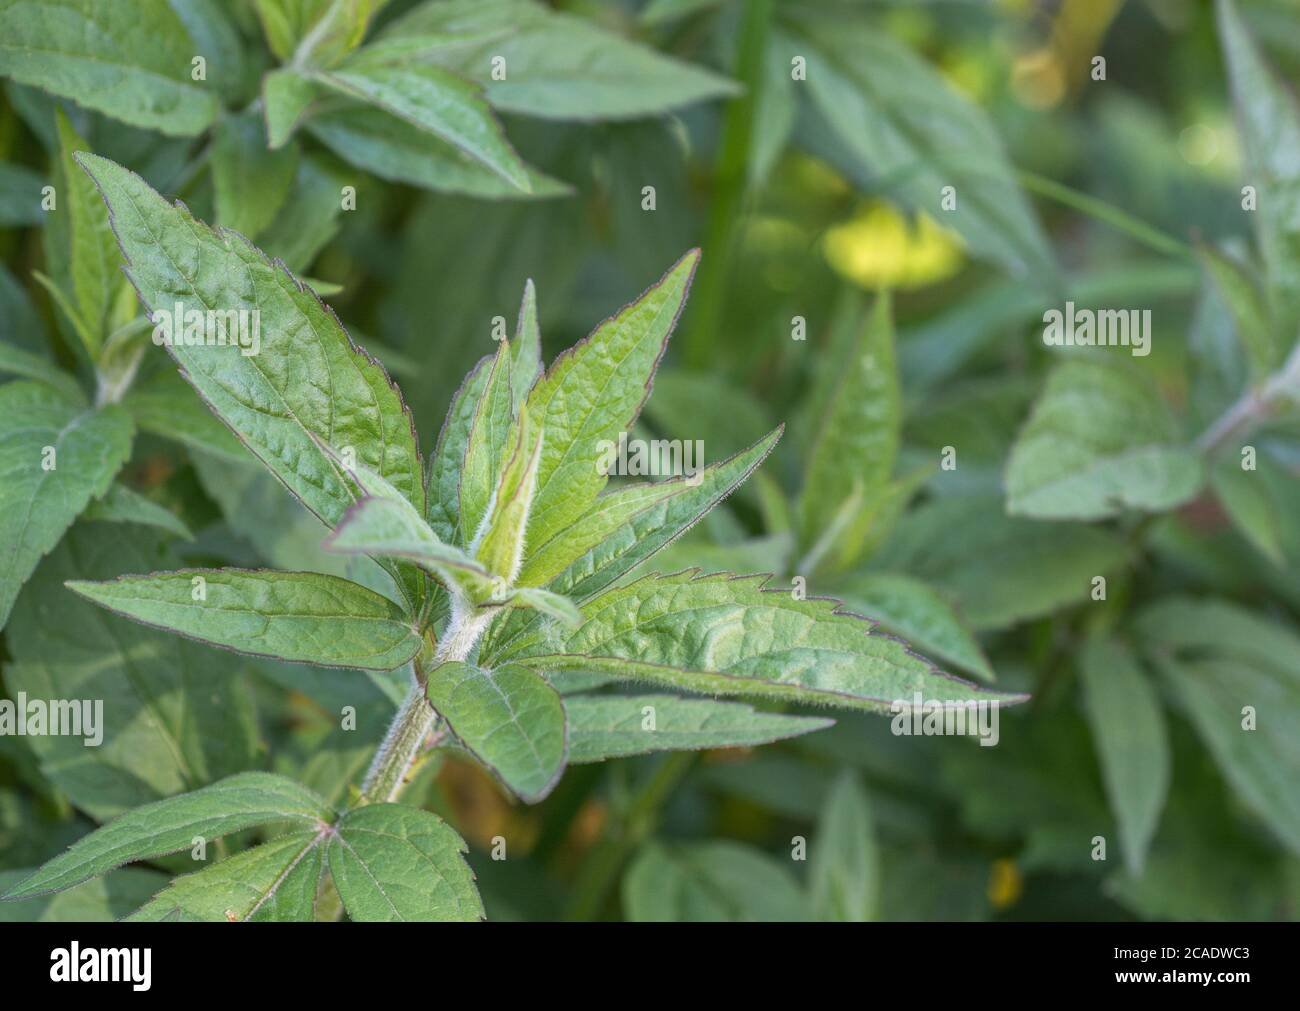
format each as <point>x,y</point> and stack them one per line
<point>1254,405</point>
<point>415,717</point>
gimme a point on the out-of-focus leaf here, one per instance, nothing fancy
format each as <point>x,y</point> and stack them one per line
<point>712,882</point>
<point>123,504</point>
<point>843,865</point>
<point>1128,730</point>
<point>251,182</point>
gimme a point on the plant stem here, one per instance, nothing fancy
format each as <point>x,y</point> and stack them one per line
<point>606,858</point>
<point>415,717</point>
<point>1120,220</point>
<point>1254,405</point>
<point>729,185</point>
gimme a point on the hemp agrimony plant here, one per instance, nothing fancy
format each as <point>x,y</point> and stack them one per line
<point>506,554</point>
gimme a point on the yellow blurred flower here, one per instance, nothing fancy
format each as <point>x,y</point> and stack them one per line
<point>879,247</point>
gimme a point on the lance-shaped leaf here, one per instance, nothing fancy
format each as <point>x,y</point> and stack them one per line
<point>526,352</point>
<point>286,96</point>
<point>122,504</point>
<point>18,362</point>
<point>128,61</point>
<point>277,881</point>
<point>55,456</point>
<point>386,527</point>
<point>166,826</point>
<point>1128,730</point>
<point>510,718</point>
<point>433,100</point>
<point>1269,122</point>
<point>726,635</point>
<point>251,183</point>
<point>556,66</point>
<point>392,863</point>
<point>614,726</point>
<point>501,545</point>
<point>843,864</point>
<point>93,259</point>
<point>315,32</point>
<point>306,381</point>
<point>552,605</point>
<point>855,441</point>
<point>720,881</point>
<point>448,458</point>
<point>1099,440</point>
<point>302,616</point>
<point>627,526</point>
<point>488,448</point>
<point>593,392</point>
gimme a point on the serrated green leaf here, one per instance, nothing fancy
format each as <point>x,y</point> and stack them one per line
<point>509,718</point>
<point>276,881</point>
<point>618,359</point>
<point>1099,440</point>
<point>728,635</point>
<point>899,121</point>
<point>1269,123</point>
<point>856,438</point>
<point>55,457</point>
<point>176,714</point>
<point>93,259</point>
<point>719,881</point>
<point>391,862</point>
<point>302,616</point>
<point>131,62</point>
<point>308,380</point>
<point>1128,730</point>
<point>251,182</point>
<point>913,610</point>
<point>557,66</point>
<point>167,826</point>
<point>123,504</point>
<point>432,100</point>
<point>615,726</point>
<point>843,865</point>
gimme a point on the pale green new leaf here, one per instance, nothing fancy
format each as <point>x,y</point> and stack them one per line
<point>448,460</point>
<point>727,635</point>
<point>1269,122</point>
<point>432,100</point>
<point>553,605</point>
<point>501,544</point>
<point>308,381</point>
<point>1099,440</point>
<point>615,726</point>
<point>488,448</point>
<point>915,611</point>
<point>392,863</point>
<point>238,802</point>
<point>526,352</point>
<point>557,66</point>
<point>93,260</point>
<point>305,616</point>
<point>129,61</point>
<point>276,881</point>
<point>593,392</point>
<point>856,439</point>
<point>1128,730</point>
<point>719,881</point>
<point>843,864</point>
<point>251,182</point>
<point>510,718</point>
<point>55,457</point>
